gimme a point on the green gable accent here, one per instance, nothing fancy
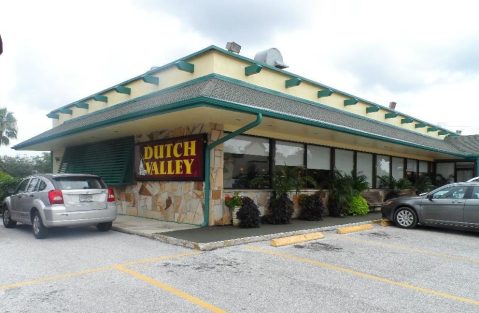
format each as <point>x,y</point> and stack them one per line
<point>81,105</point>
<point>185,66</point>
<point>252,69</point>
<point>351,101</point>
<point>112,160</point>
<point>443,132</point>
<point>53,115</point>
<point>325,93</point>
<point>123,89</point>
<point>406,120</point>
<point>101,98</point>
<point>432,129</point>
<point>420,125</point>
<point>66,111</point>
<point>390,115</point>
<point>150,79</point>
<point>292,82</point>
<point>372,109</point>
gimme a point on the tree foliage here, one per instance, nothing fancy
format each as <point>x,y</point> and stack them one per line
<point>8,127</point>
<point>21,166</point>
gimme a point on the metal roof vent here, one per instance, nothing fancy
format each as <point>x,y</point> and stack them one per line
<point>271,57</point>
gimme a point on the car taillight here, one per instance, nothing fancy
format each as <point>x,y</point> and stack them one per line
<point>111,195</point>
<point>55,196</point>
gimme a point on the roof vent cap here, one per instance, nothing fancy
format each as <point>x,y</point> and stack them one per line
<point>271,57</point>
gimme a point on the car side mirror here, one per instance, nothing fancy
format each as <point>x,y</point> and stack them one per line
<point>430,196</point>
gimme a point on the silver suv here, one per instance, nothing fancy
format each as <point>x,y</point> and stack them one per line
<point>50,200</point>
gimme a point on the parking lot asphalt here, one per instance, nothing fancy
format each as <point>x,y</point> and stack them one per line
<point>383,269</point>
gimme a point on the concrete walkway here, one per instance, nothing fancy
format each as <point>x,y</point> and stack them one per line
<point>208,238</point>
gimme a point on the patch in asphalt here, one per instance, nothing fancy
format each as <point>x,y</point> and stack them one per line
<point>319,246</point>
<point>379,234</point>
<point>206,267</point>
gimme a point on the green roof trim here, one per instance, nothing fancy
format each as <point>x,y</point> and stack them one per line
<point>243,58</point>
<point>66,111</point>
<point>81,105</point>
<point>407,120</point>
<point>292,82</point>
<point>351,101</point>
<point>443,132</point>
<point>202,101</point>
<point>100,98</point>
<point>420,125</point>
<point>432,129</point>
<point>391,115</point>
<point>123,89</point>
<point>150,79</point>
<point>325,93</point>
<point>185,66</point>
<point>53,115</point>
<point>252,69</point>
<point>372,109</point>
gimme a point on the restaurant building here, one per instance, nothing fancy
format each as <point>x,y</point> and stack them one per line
<point>175,140</point>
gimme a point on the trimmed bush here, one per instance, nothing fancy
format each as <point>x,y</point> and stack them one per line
<point>358,206</point>
<point>311,207</point>
<point>248,214</point>
<point>280,210</point>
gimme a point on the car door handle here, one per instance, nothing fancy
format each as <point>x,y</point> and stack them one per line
<point>458,202</point>
<point>31,196</point>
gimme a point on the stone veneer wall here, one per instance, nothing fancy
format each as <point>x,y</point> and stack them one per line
<point>175,201</point>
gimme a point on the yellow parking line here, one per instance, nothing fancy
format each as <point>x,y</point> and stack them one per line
<point>91,271</point>
<point>416,250</point>
<point>169,289</point>
<point>366,275</point>
<point>55,277</point>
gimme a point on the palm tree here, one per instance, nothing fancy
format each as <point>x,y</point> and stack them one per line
<point>8,127</point>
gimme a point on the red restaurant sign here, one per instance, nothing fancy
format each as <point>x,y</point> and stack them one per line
<point>171,159</point>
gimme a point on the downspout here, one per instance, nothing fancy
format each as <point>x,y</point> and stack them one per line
<point>477,166</point>
<point>209,148</point>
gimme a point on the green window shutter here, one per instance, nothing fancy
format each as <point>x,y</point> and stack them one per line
<point>112,160</point>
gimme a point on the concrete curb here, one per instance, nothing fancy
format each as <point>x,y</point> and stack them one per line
<point>208,246</point>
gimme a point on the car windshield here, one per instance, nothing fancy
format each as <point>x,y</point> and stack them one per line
<point>67,183</point>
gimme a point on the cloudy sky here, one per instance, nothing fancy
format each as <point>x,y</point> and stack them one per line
<point>422,54</point>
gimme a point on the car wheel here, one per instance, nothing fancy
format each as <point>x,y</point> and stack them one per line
<point>405,218</point>
<point>39,230</point>
<point>7,220</point>
<point>104,226</point>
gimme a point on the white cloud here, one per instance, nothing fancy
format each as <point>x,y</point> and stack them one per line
<point>421,54</point>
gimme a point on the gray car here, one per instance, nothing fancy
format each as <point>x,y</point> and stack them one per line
<point>453,206</point>
<point>50,200</point>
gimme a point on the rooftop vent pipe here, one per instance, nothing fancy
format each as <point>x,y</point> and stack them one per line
<point>392,105</point>
<point>271,57</point>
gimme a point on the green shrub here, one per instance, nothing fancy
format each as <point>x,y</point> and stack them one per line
<point>358,206</point>
<point>248,214</point>
<point>280,211</point>
<point>7,182</point>
<point>311,207</point>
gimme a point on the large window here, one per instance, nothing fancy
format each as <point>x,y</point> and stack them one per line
<point>444,173</point>
<point>397,168</point>
<point>364,166</point>
<point>382,169</point>
<point>411,170</point>
<point>289,154</point>
<point>319,164</point>
<point>344,161</point>
<point>246,163</point>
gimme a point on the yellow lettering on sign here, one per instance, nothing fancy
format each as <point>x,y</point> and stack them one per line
<point>168,150</point>
<point>170,168</point>
<point>151,168</point>
<point>176,152</point>
<point>179,167</point>
<point>147,153</point>
<point>189,148</point>
<point>188,163</point>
